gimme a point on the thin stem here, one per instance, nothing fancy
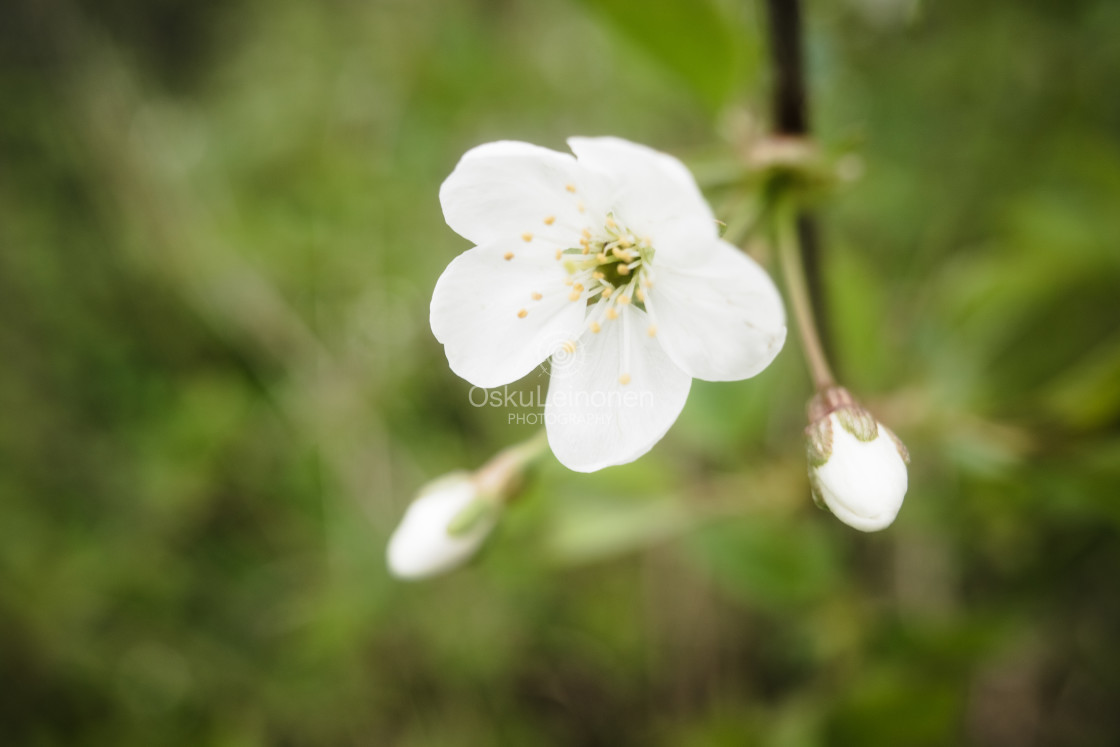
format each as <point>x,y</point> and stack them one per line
<point>500,478</point>
<point>787,238</point>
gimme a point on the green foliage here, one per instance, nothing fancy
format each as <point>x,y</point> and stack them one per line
<point>219,232</point>
<point>702,42</point>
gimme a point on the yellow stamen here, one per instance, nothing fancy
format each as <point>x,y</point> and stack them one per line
<point>526,236</point>
<point>641,294</point>
<point>522,314</point>
<point>580,207</point>
<point>595,327</point>
<point>550,220</point>
<point>569,347</point>
<point>578,287</point>
<point>585,233</point>
<point>612,313</point>
<point>559,253</point>
<point>624,299</point>
<point>623,269</point>
<point>598,275</point>
<point>624,379</point>
<point>570,187</point>
<point>611,223</point>
<point>652,330</point>
<point>537,296</point>
<point>607,292</point>
<point>507,256</point>
<point>573,296</point>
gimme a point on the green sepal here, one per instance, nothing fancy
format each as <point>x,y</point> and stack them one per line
<point>474,512</point>
<point>818,439</point>
<point>859,422</point>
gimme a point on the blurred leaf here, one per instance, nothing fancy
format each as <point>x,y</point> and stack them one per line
<point>694,39</point>
<point>594,527</point>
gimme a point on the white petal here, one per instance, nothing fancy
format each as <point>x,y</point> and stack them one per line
<point>721,320</point>
<point>508,189</point>
<point>653,195</point>
<point>596,421</point>
<point>863,483</point>
<point>420,546</point>
<point>477,310</point>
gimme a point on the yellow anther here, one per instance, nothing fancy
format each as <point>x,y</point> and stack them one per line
<point>586,249</point>
<point>641,294</point>
<point>607,292</point>
<point>580,207</point>
<point>550,220</point>
<point>624,254</point>
<point>522,314</point>
<point>568,281</point>
<point>624,379</point>
<point>595,327</point>
<point>570,187</point>
<point>537,296</point>
<point>507,256</point>
<point>625,242</point>
<point>585,233</point>
<point>624,299</point>
<point>623,269</point>
<point>612,313</point>
<point>611,222</point>
<point>598,275</point>
<point>526,236</point>
<point>569,347</point>
<point>578,287</point>
<point>559,253</point>
<point>573,296</point>
<point>652,330</point>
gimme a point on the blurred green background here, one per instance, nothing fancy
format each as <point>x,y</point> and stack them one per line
<point>219,232</point>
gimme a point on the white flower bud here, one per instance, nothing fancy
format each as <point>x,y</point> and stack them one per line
<point>442,528</point>
<point>857,466</point>
<point>452,516</point>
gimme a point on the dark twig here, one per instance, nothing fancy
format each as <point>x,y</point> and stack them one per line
<point>791,118</point>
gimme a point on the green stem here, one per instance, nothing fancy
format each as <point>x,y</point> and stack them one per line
<point>500,478</point>
<point>789,251</point>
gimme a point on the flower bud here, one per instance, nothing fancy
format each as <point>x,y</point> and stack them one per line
<point>452,516</point>
<point>857,466</point>
<point>442,528</point>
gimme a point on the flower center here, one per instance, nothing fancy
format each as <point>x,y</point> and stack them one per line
<point>609,270</point>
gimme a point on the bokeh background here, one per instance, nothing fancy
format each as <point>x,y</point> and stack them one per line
<point>219,231</point>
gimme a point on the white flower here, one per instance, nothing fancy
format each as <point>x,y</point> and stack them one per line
<point>857,466</point>
<point>426,543</point>
<point>610,264</point>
